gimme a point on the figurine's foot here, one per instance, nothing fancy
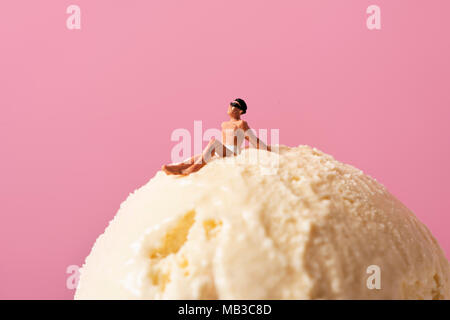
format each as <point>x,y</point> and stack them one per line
<point>177,168</point>
<point>171,169</point>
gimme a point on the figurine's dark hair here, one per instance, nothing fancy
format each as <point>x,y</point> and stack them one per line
<point>240,105</point>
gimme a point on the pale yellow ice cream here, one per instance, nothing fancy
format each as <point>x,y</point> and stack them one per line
<point>293,225</point>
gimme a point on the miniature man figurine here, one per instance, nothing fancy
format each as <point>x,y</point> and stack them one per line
<point>234,132</point>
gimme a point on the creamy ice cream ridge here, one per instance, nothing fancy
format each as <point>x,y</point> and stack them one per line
<point>293,224</point>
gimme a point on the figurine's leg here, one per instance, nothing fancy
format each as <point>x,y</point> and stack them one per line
<point>212,147</point>
<point>176,168</point>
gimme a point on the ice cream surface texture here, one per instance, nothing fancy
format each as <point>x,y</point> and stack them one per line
<point>292,224</point>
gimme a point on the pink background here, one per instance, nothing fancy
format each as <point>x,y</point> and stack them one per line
<point>86,115</point>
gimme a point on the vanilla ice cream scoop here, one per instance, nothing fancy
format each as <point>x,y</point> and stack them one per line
<point>292,224</point>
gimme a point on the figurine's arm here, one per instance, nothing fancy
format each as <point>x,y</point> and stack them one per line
<point>254,140</point>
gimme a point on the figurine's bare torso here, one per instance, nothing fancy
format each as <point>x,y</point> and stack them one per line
<point>233,132</point>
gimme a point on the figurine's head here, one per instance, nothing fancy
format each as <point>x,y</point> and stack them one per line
<point>237,107</point>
